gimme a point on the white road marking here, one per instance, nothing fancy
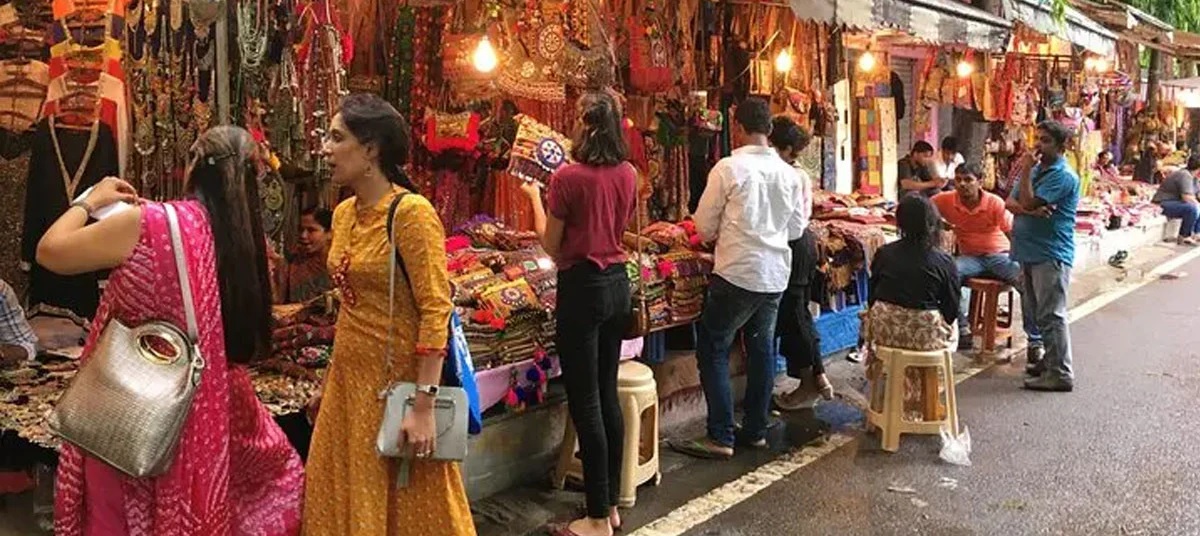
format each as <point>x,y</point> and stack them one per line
<point>707,506</point>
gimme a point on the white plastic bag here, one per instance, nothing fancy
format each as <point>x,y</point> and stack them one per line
<point>956,450</point>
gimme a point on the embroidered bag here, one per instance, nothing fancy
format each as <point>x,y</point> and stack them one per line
<point>538,151</point>
<point>445,132</point>
<point>649,56</point>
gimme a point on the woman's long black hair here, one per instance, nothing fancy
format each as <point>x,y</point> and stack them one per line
<point>919,222</point>
<point>373,121</point>
<point>224,178</point>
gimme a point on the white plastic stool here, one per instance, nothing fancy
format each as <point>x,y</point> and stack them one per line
<point>890,420</point>
<point>638,395</point>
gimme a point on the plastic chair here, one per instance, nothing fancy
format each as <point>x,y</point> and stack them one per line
<point>890,419</point>
<point>638,394</point>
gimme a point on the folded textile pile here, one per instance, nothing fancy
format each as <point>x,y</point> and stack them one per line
<point>504,297</point>
<point>487,232</point>
<point>845,248</point>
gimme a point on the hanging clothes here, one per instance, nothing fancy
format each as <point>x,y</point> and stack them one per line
<point>63,164</point>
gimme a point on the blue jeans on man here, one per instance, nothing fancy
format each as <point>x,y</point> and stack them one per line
<point>996,266</point>
<point>728,309</point>
<point>1189,213</point>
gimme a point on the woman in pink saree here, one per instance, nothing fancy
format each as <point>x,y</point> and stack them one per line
<point>234,472</point>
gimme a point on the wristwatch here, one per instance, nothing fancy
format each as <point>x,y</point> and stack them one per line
<point>431,390</point>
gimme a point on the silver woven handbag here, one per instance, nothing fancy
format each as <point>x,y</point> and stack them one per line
<point>128,403</point>
<point>449,408</point>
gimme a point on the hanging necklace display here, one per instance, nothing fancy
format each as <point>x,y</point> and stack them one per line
<point>71,182</point>
<point>253,30</point>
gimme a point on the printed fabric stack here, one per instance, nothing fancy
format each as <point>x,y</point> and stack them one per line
<point>504,286</point>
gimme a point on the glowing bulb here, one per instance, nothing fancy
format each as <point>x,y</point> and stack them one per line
<point>1089,64</point>
<point>484,58</point>
<point>965,69</point>
<point>1102,65</point>
<point>783,62</point>
<point>866,62</point>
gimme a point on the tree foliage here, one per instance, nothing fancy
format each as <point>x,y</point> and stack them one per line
<point>1182,14</point>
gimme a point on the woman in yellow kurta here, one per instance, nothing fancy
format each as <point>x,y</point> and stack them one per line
<point>351,490</point>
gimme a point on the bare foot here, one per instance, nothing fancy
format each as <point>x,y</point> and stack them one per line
<point>590,527</point>
<point>614,519</point>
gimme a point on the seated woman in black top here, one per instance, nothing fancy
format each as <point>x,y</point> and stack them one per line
<point>914,288</point>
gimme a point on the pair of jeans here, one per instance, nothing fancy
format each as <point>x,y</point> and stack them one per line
<point>1046,293</point>
<point>998,266</point>
<point>728,309</point>
<point>799,342</point>
<point>1188,212</point>
<point>592,317</point>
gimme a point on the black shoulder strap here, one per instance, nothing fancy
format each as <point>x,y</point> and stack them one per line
<point>391,223</point>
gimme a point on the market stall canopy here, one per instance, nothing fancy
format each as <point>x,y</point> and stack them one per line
<point>1130,23</point>
<point>1077,29</point>
<point>933,21</point>
<point>1187,45</point>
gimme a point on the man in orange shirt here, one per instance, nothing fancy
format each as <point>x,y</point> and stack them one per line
<point>981,227</point>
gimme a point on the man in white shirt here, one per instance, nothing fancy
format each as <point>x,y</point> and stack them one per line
<point>751,198</point>
<point>949,159</point>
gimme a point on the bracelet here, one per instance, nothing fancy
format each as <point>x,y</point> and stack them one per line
<point>83,205</point>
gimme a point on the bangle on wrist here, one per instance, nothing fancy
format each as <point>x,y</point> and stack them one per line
<point>87,207</point>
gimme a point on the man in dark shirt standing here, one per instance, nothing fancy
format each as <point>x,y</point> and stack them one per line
<point>915,172</point>
<point>1177,197</point>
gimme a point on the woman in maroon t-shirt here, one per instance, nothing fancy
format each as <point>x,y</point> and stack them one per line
<point>590,205</point>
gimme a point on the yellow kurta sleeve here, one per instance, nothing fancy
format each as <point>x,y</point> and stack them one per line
<point>422,244</point>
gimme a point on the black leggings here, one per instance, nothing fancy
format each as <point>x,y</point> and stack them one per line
<point>592,316</point>
<point>798,339</point>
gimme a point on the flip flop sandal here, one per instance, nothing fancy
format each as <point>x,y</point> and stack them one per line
<point>699,449</point>
<point>1118,259</point>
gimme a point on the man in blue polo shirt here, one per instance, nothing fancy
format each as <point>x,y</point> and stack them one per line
<point>1043,242</point>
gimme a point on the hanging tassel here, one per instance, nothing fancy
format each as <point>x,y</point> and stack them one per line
<point>511,399</point>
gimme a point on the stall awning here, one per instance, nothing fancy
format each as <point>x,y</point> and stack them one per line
<point>1129,23</point>
<point>1077,29</point>
<point>934,21</point>
<point>1186,45</point>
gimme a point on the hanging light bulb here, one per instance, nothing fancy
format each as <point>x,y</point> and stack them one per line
<point>783,62</point>
<point>1102,65</point>
<point>866,62</point>
<point>1089,64</point>
<point>484,58</point>
<point>965,69</point>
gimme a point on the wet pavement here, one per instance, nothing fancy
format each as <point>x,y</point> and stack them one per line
<point>1116,457</point>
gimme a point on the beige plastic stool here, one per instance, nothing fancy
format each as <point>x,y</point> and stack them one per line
<point>638,394</point>
<point>890,420</point>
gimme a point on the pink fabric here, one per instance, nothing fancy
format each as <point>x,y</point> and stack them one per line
<point>234,471</point>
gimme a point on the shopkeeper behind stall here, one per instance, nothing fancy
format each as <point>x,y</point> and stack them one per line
<point>17,341</point>
<point>306,274</point>
<point>916,172</point>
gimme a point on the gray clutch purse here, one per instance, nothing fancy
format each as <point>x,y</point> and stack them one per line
<point>450,406</point>
<point>449,414</point>
<point>128,403</point>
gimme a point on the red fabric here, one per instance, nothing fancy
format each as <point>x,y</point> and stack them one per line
<point>234,471</point>
<point>979,231</point>
<point>595,204</point>
<point>468,141</point>
<point>15,482</point>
